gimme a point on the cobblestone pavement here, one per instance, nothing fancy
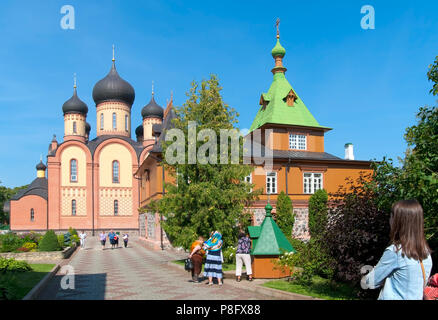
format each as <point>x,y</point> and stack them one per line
<point>136,273</point>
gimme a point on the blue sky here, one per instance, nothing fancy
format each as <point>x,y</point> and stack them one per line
<point>365,84</point>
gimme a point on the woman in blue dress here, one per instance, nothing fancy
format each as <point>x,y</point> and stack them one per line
<point>213,262</point>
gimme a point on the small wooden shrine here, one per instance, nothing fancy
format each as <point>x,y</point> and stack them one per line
<point>268,243</point>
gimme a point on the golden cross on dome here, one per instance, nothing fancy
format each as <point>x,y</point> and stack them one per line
<point>152,87</point>
<point>277,24</point>
<point>114,59</point>
<point>74,80</point>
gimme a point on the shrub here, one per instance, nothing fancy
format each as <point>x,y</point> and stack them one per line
<point>9,287</point>
<point>72,231</point>
<point>49,242</point>
<point>61,241</point>
<point>30,246</point>
<point>10,242</point>
<point>358,231</point>
<point>31,237</point>
<point>13,265</point>
<point>67,239</point>
<point>318,213</point>
<point>229,255</point>
<point>311,258</point>
<point>285,217</point>
<point>74,239</point>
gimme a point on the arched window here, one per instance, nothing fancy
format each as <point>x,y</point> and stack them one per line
<point>116,207</point>
<point>73,207</point>
<point>114,121</point>
<point>101,121</point>
<point>126,122</point>
<point>116,171</point>
<point>74,127</point>
<point>73,170</point>
<point>32,215</point>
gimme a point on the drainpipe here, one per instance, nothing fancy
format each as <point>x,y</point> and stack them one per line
<point>287,171</point>
<point>92,193</point>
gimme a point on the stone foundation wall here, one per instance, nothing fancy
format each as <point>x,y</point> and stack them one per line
<point>130,232</point>
<point>301,226</point>
<point>300,230</point>
<point>40,256</point>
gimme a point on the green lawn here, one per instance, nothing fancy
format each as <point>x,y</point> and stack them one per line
<point>25,281</point>
<point>225,266</point>
<point>320,288</point>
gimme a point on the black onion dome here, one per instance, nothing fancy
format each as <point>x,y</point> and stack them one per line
<point>75,105</point>
<point>113,88</point>
<point>139,131</point>
<point>41,166</point>
<point>87,127</point>
<point>152,109</point>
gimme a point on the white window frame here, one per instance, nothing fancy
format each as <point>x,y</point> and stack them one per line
<point>73,170</point>
<point>297,141</point>
<point>311,183</point>
<point>248,179</point>
<point>270,187</point>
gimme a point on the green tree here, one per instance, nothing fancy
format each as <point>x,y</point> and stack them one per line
<point>206,196</point>
<point>318,212</point>
<point>417,177</point>
<point>432,75</point>
<point>285,217</point>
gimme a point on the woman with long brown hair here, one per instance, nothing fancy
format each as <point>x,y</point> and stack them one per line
<point>406,264</point>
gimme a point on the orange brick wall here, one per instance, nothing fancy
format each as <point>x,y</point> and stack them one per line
<point>20,219</point>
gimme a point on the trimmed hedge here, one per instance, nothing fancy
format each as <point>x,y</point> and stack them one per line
<point>49,242</point>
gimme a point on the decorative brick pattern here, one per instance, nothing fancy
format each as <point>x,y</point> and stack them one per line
<point>71,193</point>
<point>107,197</point>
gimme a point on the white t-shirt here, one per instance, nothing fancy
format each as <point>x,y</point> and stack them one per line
<point>83,236</point>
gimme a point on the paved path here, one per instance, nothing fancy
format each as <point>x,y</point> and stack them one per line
<point>136,272</point>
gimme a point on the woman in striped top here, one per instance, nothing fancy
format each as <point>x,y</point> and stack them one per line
<point>213,263</point>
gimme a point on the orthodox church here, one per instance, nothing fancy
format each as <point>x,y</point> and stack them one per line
<point>90,184</point>
<point>100,184</point>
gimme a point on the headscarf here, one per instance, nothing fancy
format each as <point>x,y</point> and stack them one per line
<point>214,243</point>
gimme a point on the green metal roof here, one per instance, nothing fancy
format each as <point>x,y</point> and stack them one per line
<point>271,240</point>
<point>254,231</point>
<point>277,111</point>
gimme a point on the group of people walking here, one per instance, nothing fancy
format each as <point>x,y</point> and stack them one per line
<point>112,236</point>
<point>212,251</point>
